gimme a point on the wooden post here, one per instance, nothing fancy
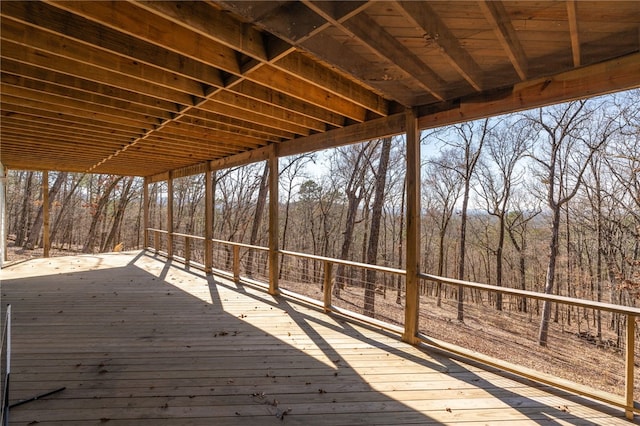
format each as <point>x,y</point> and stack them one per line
<point>274,222</point>
<point>3,215</point>
<point>46,244</point>
<point>328,272</point>
<point>145,212</point>
<point>236,263</point>
<point>187,250</point>
<point>208,221</point>
<point>413,229</point>
<point>170,217</point>
<point>629,376</point>
<point>156,241</point>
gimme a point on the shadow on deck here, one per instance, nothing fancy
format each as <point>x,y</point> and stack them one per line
<point>136,340</point>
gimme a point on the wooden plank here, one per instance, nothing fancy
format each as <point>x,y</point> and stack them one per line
<point>137,340</point>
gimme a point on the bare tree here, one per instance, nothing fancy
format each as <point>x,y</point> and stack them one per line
<point>376,217</point>
<point>505,148</point>
<point>34,236</point>
<point>444,185</point>
<point>561,156</point>
<point>468,139</point>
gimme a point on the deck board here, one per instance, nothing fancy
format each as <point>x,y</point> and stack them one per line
<point>137,341</point>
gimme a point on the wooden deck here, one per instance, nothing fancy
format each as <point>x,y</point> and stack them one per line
<point>137,341</point>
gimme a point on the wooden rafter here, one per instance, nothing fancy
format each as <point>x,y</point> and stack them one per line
<point>496,14</point>
<point>573,32</point>
<point>436,32</point>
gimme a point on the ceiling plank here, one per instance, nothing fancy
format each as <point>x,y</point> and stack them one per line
<point>437,33</point>
<point>63,47</point>
<point>45,59</point>
<point>73,83</point>
<point>89,98</point>
<point>497,16</point>
<point>58,103</point>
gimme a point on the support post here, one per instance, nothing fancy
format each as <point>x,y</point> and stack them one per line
<point>170,217</point>
<point>3,215</point>
<point>413,228</point>
<point>328,272</point>
<point>629,364</point>
<point>236,264</point>
<point>46,244</point>
<point>274,228</point>
<point>145,212</point>
<point>208,221</point>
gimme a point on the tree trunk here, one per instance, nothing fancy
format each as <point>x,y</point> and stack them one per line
<point>25,213</point>
<point>257,218</point>
<point>92,236</point>
<point>376,218</point>
<point>551,276</point>
<point>34,233</point>
<point>110,242</point>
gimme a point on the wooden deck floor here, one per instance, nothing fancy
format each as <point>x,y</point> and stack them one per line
<point>137,341</point>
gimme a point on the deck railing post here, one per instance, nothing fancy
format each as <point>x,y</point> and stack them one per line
<point>236,263</point>
<point>187,250</point>
<point>170,217</point>
<point>629,365</point>
<point>156,241</point>
<point>328,271</point>
<point>208,221</point>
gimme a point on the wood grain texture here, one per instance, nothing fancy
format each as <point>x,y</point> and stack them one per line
<point>138,341</point>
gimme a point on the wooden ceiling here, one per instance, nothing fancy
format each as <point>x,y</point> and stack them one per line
<point>144,87</point>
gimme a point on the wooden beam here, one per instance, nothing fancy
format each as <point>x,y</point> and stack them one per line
<point>46,244</point>
<point>498,17</point>
<point>574,32</point>
<point>54,20</point>
<point>377,128</point>
<point>248,157</point>
<point>274,222</point>
<point>593,80</point>
<point>386,46</point>
<point>412,295</point>
<point>436,32</point>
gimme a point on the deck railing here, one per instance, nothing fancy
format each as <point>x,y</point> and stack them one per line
<point>375,294</point>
